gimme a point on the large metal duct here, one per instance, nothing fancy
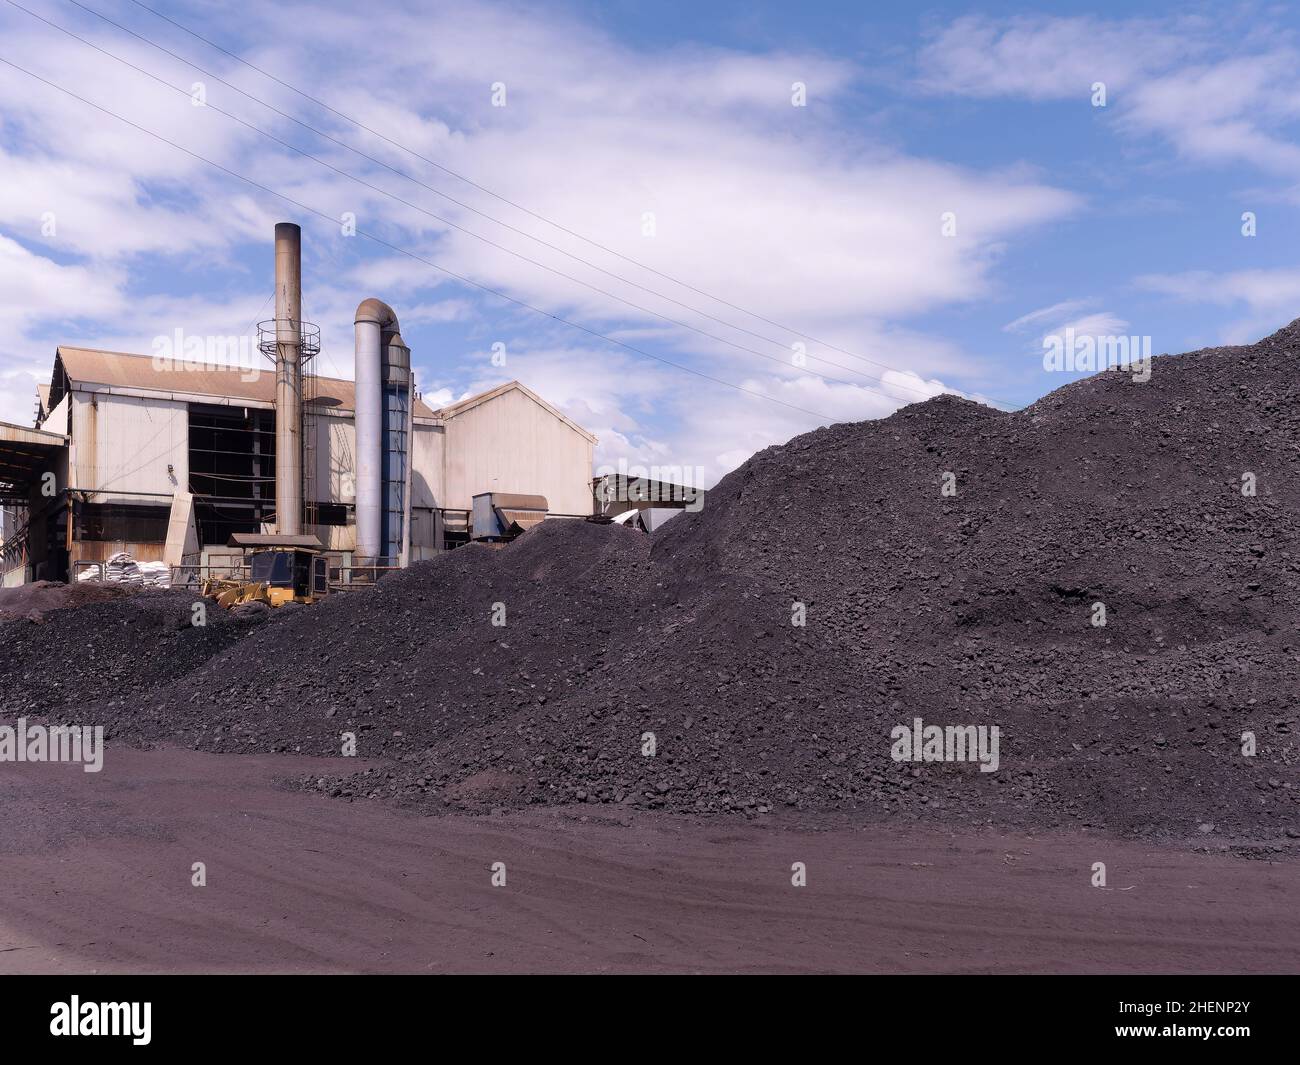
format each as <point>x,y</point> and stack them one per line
<point>288,379</point>
<point>396,444</point>
<point>383,412</point>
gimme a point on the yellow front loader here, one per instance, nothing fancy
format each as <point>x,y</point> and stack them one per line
<point>284,569</point>
<point>228,592</point>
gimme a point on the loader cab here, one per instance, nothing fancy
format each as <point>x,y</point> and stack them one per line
<point>283,570</point>
<point>291,567</point>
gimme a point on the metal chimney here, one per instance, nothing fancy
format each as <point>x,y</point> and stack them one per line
<point>288,379</point>
<point>383,424</point>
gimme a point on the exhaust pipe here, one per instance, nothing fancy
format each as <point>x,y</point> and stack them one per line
<point>288,379</point>
<point>383,410</point>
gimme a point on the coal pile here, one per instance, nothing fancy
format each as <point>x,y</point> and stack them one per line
<point>111,644</point>
<point>34,601</point>
<point>417,657</point>
<point>1172,504</point>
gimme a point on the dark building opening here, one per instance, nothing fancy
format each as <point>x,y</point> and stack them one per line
<point>120,521</point>
<point>232,470</point>
<point>328,513</point>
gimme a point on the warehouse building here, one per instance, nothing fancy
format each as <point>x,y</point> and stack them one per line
<point>166,459</point>
<point>120,436</point>
<point>178,459</point>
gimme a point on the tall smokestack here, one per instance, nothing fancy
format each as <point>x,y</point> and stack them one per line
<point>383,415</point>
<point>288,379</point>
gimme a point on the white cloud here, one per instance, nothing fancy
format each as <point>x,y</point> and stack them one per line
<point>1217,91</point>
<point>790,211</point>
<point>42,294</point>
<point>1057,311</point>
<point>38,289</point>
<point>1101,324</point>
<point>1265,299</point>
<point>1052,325</point>
<point>1050,57</point>
<point>1098,326</point>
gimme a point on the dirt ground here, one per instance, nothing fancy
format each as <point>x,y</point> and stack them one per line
<point>96,875</point>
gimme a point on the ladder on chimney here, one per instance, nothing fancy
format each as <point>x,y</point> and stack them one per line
<point>312,424</point>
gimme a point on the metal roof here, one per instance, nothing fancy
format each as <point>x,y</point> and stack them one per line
<point>471,402</point>
<point>117,369</point>
<point>622,488</point>
<point>515,500</point>
<point>24,455</point>
<point>88,367</point>
<point>305,541</point>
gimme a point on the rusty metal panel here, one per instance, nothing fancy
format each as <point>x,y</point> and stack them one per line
<point>255,382</point>
<point>123,446</point>
<point>306,541</point>
<point>103,550</point>
<point>516,501</point>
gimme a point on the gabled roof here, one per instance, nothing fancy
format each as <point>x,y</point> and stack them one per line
<point>122,370</point>
<point>471,402</point>
<point>117,369</point>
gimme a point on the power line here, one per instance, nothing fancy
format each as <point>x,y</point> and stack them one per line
<point>253,324</point>
<point>454,225</point>
<point>503,199</point>
<point>410,254</point>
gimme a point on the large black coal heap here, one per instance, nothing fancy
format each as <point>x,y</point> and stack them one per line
<point>1173,502</point>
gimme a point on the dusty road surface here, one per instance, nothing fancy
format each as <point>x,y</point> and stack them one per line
<point>96,871</point>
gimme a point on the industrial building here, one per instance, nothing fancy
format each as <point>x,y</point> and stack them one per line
<point>167,459</point>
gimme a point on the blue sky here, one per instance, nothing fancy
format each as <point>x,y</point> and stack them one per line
<point>667,134</point>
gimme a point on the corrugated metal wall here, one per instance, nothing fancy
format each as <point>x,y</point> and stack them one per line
<point>124,444</point>
<point>427,454</point>
<point>512,444</point>
<point>335,438</point>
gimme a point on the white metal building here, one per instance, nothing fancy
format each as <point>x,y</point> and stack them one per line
<point>119,437</point>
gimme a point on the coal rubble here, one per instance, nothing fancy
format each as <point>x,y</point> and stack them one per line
<point>948,564</point>
<point>109,649</point>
